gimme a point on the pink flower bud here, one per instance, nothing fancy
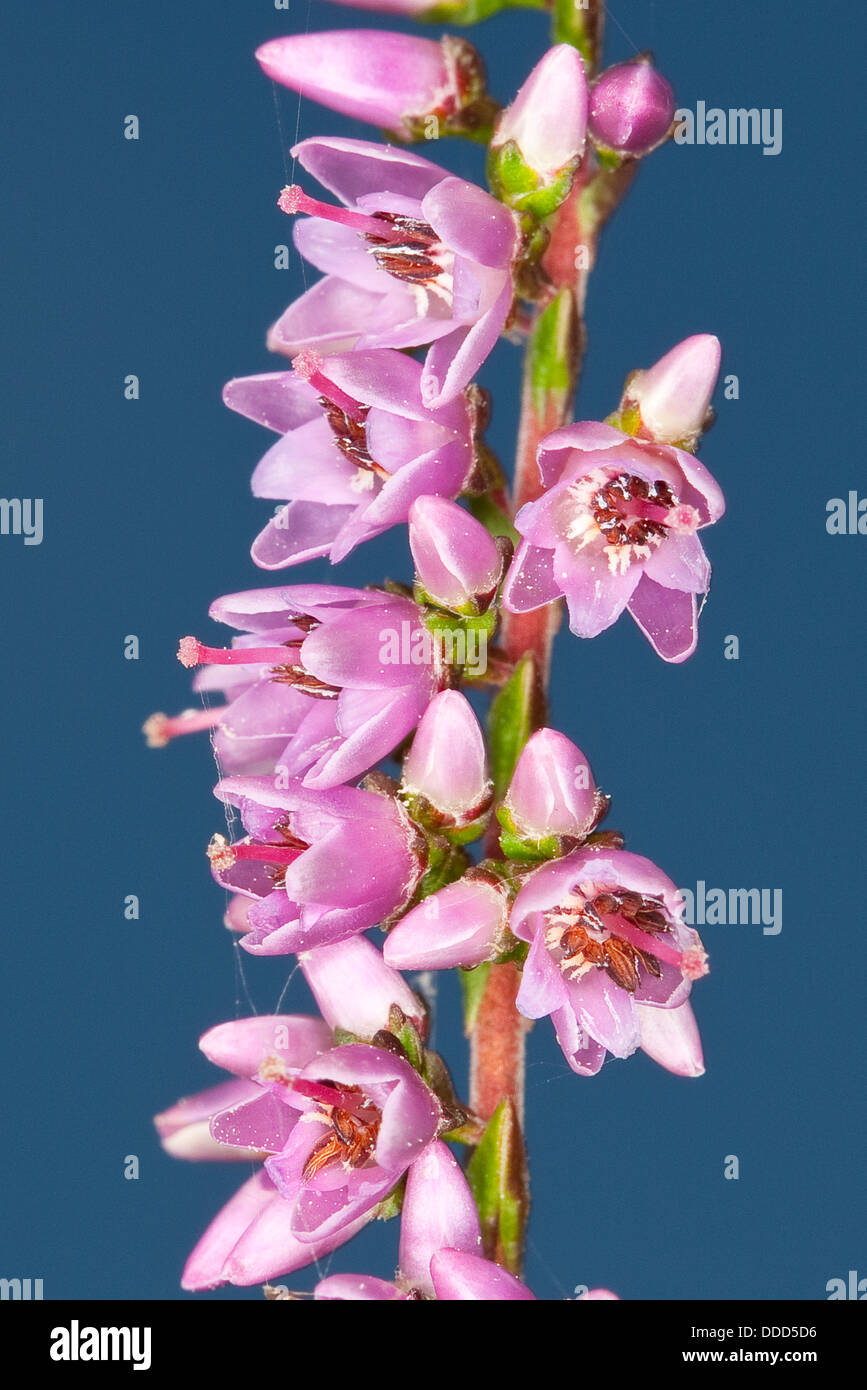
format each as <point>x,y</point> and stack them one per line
<point>547,121</point>
<point>457,561</point>
<point>354,987</point>
<point>391,80</point>
<point>671,1038</point>
<point>459,925</point>
<point>673,396</point>
<point>631,107</point>
<point>446,763</point>
<point>552,791</point>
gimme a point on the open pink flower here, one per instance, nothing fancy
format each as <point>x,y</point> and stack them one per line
<point>357,446</point>
<point>616,529</point>
<point>606,937</point>
<point>366,660</point>
<point>323,864</point>
<point>414,256</point>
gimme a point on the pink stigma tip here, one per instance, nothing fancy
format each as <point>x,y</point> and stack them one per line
<point>188,651</point>
<point>290,198</point>
<point>306,364</point>
<point>694,963</point>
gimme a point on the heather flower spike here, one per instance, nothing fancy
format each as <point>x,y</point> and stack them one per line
<point>538,141</point>
<point>631,108</point>
<point>379,821</point>
<point>418,88</point>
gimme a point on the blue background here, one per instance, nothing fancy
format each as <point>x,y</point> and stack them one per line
<point>156,258</point>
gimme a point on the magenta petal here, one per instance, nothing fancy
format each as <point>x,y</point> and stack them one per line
<point>584,1054</point>
<point>606,1012</point>
<point>453,361</point>
<point>278,400</point>
<point>585,437</point>
<point>185,1128</point>
<point>389,718</point>
<point>354,651</point>
<point>530,582</point>
<point>352,169</point>
<point>543,988</point>
<point>438,1211</point>
<point>242,1046</point>
<point>471,222</point>
<point>595,595</point>
<point>262,1123</point>
<point>268,1247</point>
<point>302,531</point>
<point>667,617</point>
<point>204,1268</point>
<point>357,1288</point>
<point>458,1275</point>
<point>671,1038</point>
<point>680,563</point>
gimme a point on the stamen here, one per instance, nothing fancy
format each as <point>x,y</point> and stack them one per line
<point>293,199</point>
<point>159,729</point>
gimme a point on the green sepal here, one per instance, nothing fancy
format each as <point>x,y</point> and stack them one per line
<point>521,187</point>
<point>446,863</point>
<point>342,1037</point>
<point>473,982</point>
<point>497,1174</point>
<point>526,850</point>
<point>391,1205</point>
<point>408,1036</point>
<point>516,712</point>
<point>493,518</point>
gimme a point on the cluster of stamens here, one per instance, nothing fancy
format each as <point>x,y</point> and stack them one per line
<point>412,258</point>
<point>351,1136</point>
<point>630,514</point>
<point>579,929</point>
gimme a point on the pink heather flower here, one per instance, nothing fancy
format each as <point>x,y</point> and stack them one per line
<point>415,256</point>
<point>673,396</point>
<point>446,764</point>
<point>458,563</point>
<point>357,446</point>
<point>323,864</point>
<point>460,1276</point>
<point>616,528</point>
<point>671,1038</point>
<point>606,935</point>
<point>547,121</point>
<point>438,1213</point>
<point>363,1117</point>
<point>631,107</point>
<point>552,791</point>
<point>365,658</point>
<point>463,924</point>
<point>243,1048</point>
<point>355,989</point>
<point>392,80</point>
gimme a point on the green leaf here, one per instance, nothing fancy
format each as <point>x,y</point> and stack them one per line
<point>497,1174</point>
<point>473,988</point>
<point>408,1036</point>
<point>493,518</point>
<point>515,714</point>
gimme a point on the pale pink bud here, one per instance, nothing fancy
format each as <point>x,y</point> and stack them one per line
<point>552,791</point>
<point>673,396</point>
<point>446,763</point>
<point>631,107</point>
<point>391,80</point>
<point>462,924</point>
<point>354,987</point>
<point>548,118</point>
<point>671,1038</point>
<point>457,561</point>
